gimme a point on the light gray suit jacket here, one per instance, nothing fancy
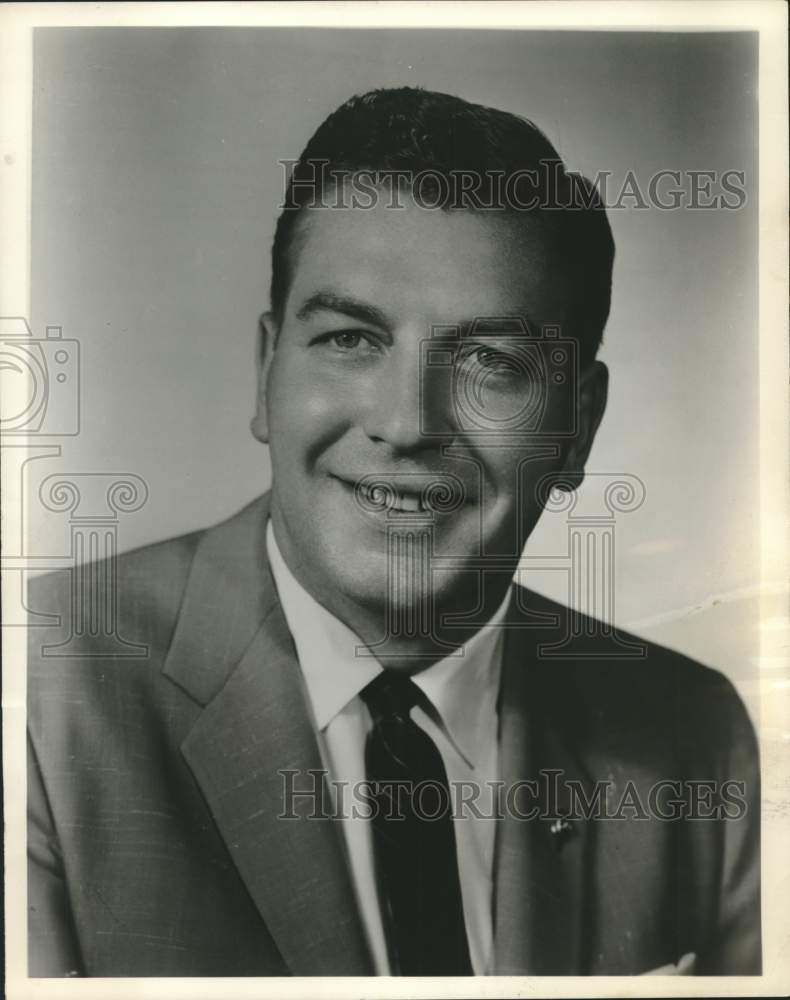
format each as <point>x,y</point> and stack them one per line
<point>154,793</point>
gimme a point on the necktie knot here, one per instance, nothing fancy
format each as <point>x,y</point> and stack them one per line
<point>391,695</point>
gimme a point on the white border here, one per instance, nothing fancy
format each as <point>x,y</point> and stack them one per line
<point>769,17</point>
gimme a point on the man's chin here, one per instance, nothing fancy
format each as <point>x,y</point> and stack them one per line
<point>394,588</point>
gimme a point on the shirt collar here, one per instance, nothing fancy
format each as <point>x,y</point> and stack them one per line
<point>463,687</point>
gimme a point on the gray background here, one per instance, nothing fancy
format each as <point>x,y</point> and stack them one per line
<point>155,192</point>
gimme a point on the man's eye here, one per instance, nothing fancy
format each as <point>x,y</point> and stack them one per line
<point>347,340</point>
<point>355,342</point>
<point>492,360</point>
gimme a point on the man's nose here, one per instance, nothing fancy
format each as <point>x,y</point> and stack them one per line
<point>411,408</point>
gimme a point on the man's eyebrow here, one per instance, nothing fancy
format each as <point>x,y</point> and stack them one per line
<point>514,325</point>
<point>326,301</point>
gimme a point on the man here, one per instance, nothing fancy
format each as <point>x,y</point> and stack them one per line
<point>427,376</point>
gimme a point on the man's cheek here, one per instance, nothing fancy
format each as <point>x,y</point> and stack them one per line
<point>512,491</point>
<point>320,407</point>
<point>295,405</point>
<point>311,389</point>
<point>305,429</point>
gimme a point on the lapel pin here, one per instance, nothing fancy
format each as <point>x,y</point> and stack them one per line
<point>561,829</point>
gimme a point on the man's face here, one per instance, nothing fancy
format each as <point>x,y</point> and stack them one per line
<point>346,395</point>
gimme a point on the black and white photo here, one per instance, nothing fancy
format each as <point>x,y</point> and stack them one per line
<point>391,441</point>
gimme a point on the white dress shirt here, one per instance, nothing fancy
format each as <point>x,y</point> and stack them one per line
<point>462,688</point>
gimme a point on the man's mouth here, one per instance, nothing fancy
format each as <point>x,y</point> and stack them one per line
<point>420,494</point>
<point>387,497</point>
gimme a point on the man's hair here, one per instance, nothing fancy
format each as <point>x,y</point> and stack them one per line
<point>408,132</point>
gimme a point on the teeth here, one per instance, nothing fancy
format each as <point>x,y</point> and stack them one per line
<point>406,502</point>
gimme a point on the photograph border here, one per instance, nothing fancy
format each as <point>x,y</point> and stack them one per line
<point>769,18</point>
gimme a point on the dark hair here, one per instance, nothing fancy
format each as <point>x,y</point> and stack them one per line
<point>419,131</point>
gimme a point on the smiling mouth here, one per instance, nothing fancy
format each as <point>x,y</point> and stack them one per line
<point>388,498</point>
<point>435,494</point>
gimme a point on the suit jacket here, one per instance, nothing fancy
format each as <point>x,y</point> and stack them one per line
<point>154,792</point>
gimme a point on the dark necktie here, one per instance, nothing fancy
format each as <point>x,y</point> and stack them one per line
<point>416,860</point>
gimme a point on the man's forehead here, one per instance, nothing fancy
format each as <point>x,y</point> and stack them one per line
<point>453,265</point>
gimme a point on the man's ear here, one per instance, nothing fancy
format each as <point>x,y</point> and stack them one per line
<point>590,405</point>
<point>264,353</point>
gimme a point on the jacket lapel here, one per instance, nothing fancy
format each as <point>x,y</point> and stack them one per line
<point>540,895</point>
<point>233,653</point>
